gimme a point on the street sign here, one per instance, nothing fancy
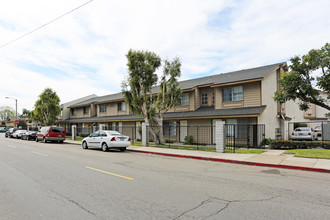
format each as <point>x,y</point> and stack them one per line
<point>16,122</point>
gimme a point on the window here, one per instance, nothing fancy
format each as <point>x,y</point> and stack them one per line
<point>102,134</point>
<point>204,98</point>
<point>73,111</point>
<point>103,108</point>
<point>169,128</point>
<point>122,106</point>
<point>232,94</point>
<point>213,98</point>
<point>184,100</point>
<point>86,110</point>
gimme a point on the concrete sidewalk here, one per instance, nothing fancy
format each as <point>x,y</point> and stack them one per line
<point>270,158</point>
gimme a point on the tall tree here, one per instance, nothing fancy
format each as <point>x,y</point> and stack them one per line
<point>25,113</point>
<point>6,113</point>
<point>300,83</point>
<point>47,107</point>
<point>138,89</point>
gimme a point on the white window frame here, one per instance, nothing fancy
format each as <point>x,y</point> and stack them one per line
<point>236,93</point>
<point>204,98</point>
<point>122,106</point>
<point>184,100</point>
<point>103,108</point>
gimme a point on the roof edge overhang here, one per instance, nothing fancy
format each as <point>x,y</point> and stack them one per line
<point>237,82</point>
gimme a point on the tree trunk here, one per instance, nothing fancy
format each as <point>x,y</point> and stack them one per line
<point>160,130</point>
<point>151,130</point>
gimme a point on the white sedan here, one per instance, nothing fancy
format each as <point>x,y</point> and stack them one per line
<point>303,133</point>
<point>105,140</point>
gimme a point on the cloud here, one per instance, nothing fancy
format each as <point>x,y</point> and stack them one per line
<point>84,52</point>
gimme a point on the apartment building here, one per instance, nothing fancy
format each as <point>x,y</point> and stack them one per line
<point>239,97</point>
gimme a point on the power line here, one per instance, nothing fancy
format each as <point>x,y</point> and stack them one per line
<point>30,32</point>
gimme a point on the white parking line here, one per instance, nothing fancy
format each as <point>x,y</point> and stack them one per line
<point>39,153</point>
<point>11,146</point>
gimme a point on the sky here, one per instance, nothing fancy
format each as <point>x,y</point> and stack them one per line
<point>83,52</point>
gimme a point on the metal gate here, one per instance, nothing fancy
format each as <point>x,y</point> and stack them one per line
<point>248,136</point>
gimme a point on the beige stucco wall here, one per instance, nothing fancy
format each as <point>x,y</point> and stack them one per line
<point>268,117</point>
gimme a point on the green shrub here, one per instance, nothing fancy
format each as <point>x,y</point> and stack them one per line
<point>84,135</point>
<point>265,141</point>
<point>189,139</point>
<point>276,144</point>
<point>168,141</point>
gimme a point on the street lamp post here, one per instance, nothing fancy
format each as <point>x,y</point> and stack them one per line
<point>16,106</point>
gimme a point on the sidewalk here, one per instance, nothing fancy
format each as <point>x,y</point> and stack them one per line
<point>271,158</point>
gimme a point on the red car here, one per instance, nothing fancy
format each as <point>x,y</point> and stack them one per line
<point>51,133</point>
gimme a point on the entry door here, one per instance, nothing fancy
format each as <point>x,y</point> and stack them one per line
<point>183,130</point>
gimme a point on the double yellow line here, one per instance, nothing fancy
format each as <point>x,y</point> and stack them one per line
<point>113,174</point>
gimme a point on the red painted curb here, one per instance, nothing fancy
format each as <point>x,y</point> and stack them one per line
<point>237,161</point>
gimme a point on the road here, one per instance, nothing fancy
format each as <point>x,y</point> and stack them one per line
<point>63,181</point>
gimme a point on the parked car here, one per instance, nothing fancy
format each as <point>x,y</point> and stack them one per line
<point>9,133</point>
<point>303,133</point>
<point>318,131</point>
<point>106,140</point>
<point>3,130</point>
<point>18,133</point>
<point>51,133</point>
<point>30,135</point>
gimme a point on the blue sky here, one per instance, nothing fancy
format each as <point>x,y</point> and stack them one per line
<point>83,53</point>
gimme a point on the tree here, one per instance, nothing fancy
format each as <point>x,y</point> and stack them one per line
<point>138,89</point>
<point>25,113</point>
<point>6,113</point>
<point>299,83</point>
<point>47,107</point>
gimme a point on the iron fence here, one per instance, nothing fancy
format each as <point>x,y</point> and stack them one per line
<point>133,132</point>
<point>238,136</point>
<point>186,137</point>
<point>321,129</point>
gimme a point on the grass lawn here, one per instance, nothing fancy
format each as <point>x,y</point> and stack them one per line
<point>201,148</point>
<point>310,153</point>
<point>180,147</point>
<point>245,151</point>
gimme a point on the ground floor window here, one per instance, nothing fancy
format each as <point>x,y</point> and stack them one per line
<point>237,127</point>
<point>169,128</point>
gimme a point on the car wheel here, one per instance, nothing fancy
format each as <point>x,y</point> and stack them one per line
<point>37,139</point>
<point>122,148</point>
<point>104,147</point>
<point>84,145</point>
<point>44,140</point>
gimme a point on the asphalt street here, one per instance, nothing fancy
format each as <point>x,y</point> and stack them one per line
<point>63,181</point>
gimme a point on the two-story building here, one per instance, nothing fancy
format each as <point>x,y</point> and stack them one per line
<point>239,97</point>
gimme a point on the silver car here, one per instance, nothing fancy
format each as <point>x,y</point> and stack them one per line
<point>105,140</point>
<point>304,133</point>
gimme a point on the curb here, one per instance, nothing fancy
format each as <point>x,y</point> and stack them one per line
<point>236,161</point>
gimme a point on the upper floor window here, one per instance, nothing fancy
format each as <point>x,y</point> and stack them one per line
<point>232,94</point>
<point>213,98</point>
<point>204,98</point>
<point>103,108</point>
<point>86,110</point>
<point>184,100</point>
<point>73,111</point>
<point>122,106</point>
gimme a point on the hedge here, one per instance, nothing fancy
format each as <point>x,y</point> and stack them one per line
<point>276,144</point>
